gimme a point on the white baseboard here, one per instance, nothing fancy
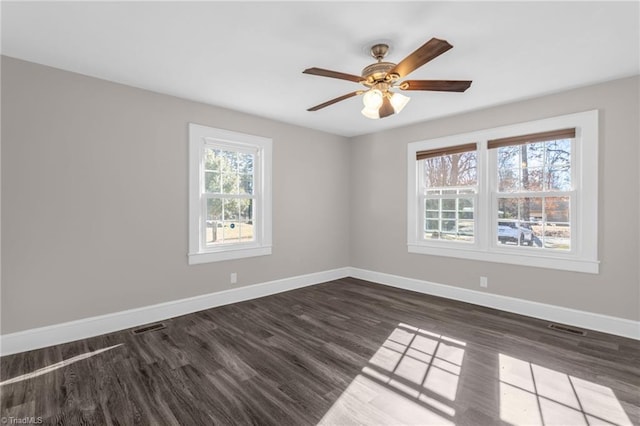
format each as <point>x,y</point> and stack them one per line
<point>587,320</point>
<point>94,326</point>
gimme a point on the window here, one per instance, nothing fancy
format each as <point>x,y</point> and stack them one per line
<point>229,196</point>
<point>448,181</point>
<point>534,189</point>
<point>523,194</point>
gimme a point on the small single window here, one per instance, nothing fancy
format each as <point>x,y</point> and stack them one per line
<point>230,195</point>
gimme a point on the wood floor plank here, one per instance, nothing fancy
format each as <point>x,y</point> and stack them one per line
<point>338,353</point>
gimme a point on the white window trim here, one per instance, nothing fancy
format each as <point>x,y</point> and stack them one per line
<point>199,136</point>
<point>584,254</point>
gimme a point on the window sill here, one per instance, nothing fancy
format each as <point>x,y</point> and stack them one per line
<point>562,263</point>
<point>228,254</point>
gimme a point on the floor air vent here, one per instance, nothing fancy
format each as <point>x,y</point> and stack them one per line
<point>148,328</point>
<point>566,329</point>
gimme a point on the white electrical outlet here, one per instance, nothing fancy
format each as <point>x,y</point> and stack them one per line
<point>484,283</point>
<point>234,278</point>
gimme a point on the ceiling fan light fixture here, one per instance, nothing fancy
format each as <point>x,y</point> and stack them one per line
<point>372,99</point>
<point>399,101</point>
<point>380,77</point>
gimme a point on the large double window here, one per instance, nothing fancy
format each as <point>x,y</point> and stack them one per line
<point>230,195</point>
<point>523,194</point>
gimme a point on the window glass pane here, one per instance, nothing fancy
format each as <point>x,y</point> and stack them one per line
<point>228,161</point>
<point>431,214</point>
<point>245,163</point>
<point>508,208</point>
<point>246,210</point>
<point>535,167</point>
<point>212,182</point>
<point>508,158</point>
<point>451,170</point>
<point>213,232</point>
<point>558,154</point>
<point>516,232</point>
<point>508,180</point>
<point>432,204</point>
<point>432,225</point>
<point>541,222</point>
<point>229,183</point>
<point>214,209</point>
<point>556,209</point>
<point>213,221</point>
<point>532,179</point>
<point>210,159</point>
<point>557,236</point>
<point>532,155</point>
<point>246,231</point>
<point>531,209</point>
<point>448,226</point>
<point>245,184</point>
<point>231,232</point>
<point>456,222</point>
<point>236,231</point>
<point>515,217</point>
<point>559,179</point>
<point>231,209</point>
<point>557,228</point>
<point>449,204</point>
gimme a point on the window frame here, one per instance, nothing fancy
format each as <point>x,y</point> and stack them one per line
<point>203,137</point>
<point>583,256</point>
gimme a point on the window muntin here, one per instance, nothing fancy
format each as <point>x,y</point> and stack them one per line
<point>449,187</point>
<point>534,194</point>
<point>229,195</point>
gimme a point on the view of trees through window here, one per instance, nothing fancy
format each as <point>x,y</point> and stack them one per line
<point>534,194</point>
<point>229,190</point>
<point>450,186</point>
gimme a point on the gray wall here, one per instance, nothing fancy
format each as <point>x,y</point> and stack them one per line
<point>94,198</point>
<point>379,199</point>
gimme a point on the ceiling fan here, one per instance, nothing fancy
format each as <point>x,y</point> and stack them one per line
<point>380,78</point>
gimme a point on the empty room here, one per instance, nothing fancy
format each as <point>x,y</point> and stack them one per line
<point>320,213</point>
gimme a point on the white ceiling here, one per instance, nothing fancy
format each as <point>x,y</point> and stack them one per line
<point>250,56</point>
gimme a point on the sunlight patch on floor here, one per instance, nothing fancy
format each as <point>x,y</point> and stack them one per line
<point>411,379</point>
<point>534,395</point>
<point>53,367</point>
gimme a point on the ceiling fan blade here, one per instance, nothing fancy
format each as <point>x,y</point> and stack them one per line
<point>333,101</point>
<point>436,85</point>
<point>428,51</point>
<point>386,109</point>
<point>333,74</point>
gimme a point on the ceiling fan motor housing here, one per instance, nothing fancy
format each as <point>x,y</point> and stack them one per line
<point>377,72</point>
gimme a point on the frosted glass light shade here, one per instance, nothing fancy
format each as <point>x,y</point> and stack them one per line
<point>371,112</point>
<point>399,101</point>
<point>372,99</point>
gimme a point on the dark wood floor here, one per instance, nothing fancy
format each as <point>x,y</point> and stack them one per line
<point>344,352</point>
